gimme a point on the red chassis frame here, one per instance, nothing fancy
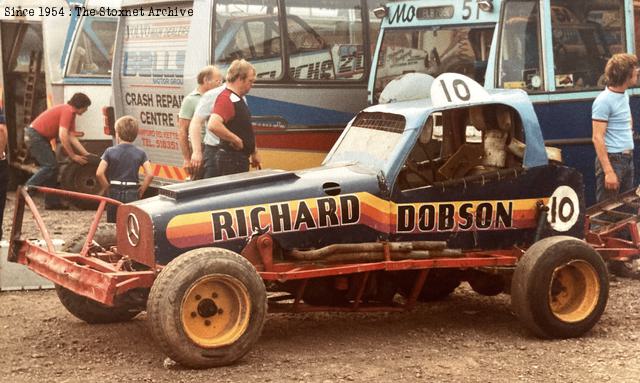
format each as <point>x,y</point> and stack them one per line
<point>619,238</point>
<point>105,275</point>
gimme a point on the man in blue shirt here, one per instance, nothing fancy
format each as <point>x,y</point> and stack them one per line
<point>613,128</point>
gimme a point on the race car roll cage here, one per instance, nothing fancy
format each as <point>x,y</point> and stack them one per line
<point>106,276</point>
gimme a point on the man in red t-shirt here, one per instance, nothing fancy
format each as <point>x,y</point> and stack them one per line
<point>231,121</point>
<point>57,122</point>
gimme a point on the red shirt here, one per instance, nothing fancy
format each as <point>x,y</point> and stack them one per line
<point>223,105</point>
<point>49,121</point>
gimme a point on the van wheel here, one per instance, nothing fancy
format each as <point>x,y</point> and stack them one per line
<point>560,287</point>
<point>82,179</point>
<point>207,308</point>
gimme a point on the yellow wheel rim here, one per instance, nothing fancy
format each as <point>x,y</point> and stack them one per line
<point>574,291</point>
<point>216,310</point>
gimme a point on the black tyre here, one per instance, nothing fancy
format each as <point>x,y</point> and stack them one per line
<point>91,311</point>
<point>484,283</point>
<point>82,307</point>
<point>17,177</point>
<point>560,287</point>
<point>625,269</point>
<point>439,284</point>
<point>207,308</point>
<point>105,237</point>
<point>82,179</point>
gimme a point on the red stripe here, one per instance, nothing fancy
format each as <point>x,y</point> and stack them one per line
<point>167,171</point>
<point>179,174</point>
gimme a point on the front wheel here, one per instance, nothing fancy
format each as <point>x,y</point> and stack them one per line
<point>560,287</point>
<point>207,308</point>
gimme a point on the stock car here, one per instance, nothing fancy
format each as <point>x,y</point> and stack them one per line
<point>415,197</point>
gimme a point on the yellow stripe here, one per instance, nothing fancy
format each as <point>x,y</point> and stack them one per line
<point>386,208</point>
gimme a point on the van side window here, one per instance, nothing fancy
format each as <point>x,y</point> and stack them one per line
<point>520,60</point>
<point>437,50</point>
<point>92,50</point>
<point>251,32</point>
<point>636,26</point>
<point>585,35</point>
<point>326,40</point>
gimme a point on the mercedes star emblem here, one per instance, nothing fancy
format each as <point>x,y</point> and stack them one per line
<point>133,230</point>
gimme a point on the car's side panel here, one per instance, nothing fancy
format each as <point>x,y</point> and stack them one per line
<point>493,213</point>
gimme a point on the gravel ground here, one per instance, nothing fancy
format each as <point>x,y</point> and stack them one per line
<point>464,338</point>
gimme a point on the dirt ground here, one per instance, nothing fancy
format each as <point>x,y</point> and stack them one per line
<point>464,338</point>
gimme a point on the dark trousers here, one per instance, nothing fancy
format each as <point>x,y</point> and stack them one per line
<point>4,180</point>
<point>122,193</point>
<point>209,164</point>
<point>231,162</point>
<point>622,165</point>
<point>47,174</point>
<point>220,161</point>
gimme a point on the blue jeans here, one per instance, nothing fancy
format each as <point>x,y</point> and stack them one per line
<point>122,193</point>
<point>622,165</point>
<point>47,174</point>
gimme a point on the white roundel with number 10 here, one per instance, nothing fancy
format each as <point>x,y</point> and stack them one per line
<point>564,209</point>
<point>455,89</point>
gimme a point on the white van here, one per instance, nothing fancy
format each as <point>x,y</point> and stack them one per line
<point>310,84</point>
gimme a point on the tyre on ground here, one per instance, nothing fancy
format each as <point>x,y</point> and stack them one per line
<point>625,269</point>
<point>82,179</point>
<point>560,287</point>
<point>438,285</point>
<point>85,308</point>
<point>207,308</point>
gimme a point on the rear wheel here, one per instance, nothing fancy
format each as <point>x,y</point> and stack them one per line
<point>560,287</point>
<point>625,269</point>
<point>105,237</point>
<point>82,307</point>
<point>91,311</point>
<point>485,283</point>
<point>207,308</point>
<point>439,284</point>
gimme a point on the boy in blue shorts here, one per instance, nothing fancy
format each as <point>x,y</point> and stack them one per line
<point>118,170</point>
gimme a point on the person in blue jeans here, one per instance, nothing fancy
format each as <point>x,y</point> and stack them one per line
<point>613,128</point>
<point>4,167</point>
<point>118,169</point>
<point>58,122</point>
